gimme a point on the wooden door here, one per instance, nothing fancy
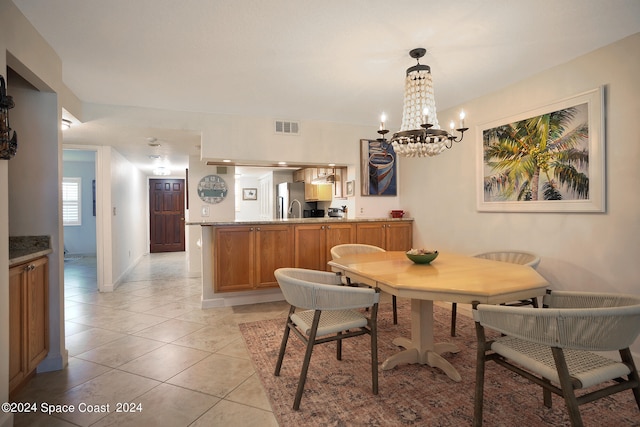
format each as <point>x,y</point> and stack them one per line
<point>399,236</point>
<point>17,327</point>
<point>274,249</point>
<point>37,291</point>
<point>166,213</point>
<point>338,234</point>
<point>371,233</point>
<point>310,246</point>
<point>234,258</point>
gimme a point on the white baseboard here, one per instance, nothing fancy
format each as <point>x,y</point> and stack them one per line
<point>242,298</point>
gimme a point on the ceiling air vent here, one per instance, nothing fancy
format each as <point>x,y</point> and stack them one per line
<point>287,128</point>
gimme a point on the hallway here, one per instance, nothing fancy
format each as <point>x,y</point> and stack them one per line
<point>151,345</point>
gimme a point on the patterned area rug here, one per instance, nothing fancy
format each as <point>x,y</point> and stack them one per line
<point>338,393</point>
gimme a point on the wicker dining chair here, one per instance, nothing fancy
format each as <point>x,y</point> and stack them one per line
<point>322,312</point>
<point>359,248</point>
<point>553,346</point>
<point>514,257</point>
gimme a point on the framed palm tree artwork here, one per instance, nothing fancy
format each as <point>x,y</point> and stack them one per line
<point>550,159</point>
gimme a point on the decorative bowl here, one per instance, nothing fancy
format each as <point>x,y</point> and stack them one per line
<point>424,258</point>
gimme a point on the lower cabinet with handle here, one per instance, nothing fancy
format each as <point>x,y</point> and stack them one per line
<point>28,320</point>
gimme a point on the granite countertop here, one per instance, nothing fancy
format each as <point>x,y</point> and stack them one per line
<point>299,221</point>
<point>26,248</point>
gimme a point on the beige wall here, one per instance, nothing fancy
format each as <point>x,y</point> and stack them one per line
<point>582,251</point>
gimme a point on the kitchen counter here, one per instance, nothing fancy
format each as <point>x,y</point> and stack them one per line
<point>300,221</point>
<point>239,257</point>
<point>26,248</point>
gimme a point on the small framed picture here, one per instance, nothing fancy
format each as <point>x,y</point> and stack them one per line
<point>351,189</point>
<point>249,194</point>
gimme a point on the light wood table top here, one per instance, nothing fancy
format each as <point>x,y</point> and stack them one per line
<point>450,277</point>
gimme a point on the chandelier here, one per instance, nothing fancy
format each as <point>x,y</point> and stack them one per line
<point>420,134</point>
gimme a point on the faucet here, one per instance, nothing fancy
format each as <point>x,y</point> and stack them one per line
<point>299,207</point>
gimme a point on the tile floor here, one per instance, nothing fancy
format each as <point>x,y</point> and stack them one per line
<point>150,344</point>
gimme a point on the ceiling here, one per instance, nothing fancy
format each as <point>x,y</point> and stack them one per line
<point>332,60</point>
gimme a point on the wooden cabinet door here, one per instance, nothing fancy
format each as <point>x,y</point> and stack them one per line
<point>399,236</point>
<point>274,249</point>
<point>338,184</point>
<point>310,246</point>
<point>325,192</point>
<point>37,292</point>
<point>234,259</point>
<point>17,327</point>
<point>338,234</point>
<point>371,233</point>
<point>310,192</point>
<point>298,175</point>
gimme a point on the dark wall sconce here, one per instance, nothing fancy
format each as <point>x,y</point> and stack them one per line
<point>8,143</point>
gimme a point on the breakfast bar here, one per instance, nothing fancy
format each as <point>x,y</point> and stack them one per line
<point>239,257</point>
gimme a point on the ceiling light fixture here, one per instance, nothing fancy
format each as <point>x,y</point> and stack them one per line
<point>420,134</point>
<point>161,171</point>
<point>65,124</point>
<point>153,142</point>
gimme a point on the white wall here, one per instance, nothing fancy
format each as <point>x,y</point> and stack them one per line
<point>581,251</point>
<point>128,211</point>
<point>248,210</point>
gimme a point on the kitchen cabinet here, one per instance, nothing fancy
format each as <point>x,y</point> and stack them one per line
<point>245,257</point>
<point>340,175</point>
<point>28,319</point>
<point>391,236</point>
<point>318,192</point>
<point>298,175</point>
<point>313,243</point>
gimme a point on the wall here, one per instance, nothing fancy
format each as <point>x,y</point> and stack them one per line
<point>129,215</point>
<point>248,210</point>
<point>582,251</point>
<point>34,192</point>
<point>81,240</point>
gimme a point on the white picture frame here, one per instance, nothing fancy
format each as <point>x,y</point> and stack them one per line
<point>518,154</point>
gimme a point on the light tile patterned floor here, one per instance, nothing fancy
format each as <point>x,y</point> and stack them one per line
<point>149,342</point>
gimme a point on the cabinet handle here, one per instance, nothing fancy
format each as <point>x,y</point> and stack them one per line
<point>30,267</point>
<point>322,227</point>
<point>250,228</point>
<point>258,229</point>
<point>328,227</point>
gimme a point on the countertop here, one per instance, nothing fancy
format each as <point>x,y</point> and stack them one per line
<point>324,220</point>
<point>26,248</point>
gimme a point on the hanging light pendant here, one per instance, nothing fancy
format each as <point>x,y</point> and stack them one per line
<point>420,134</point>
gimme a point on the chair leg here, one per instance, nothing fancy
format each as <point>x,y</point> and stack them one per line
<point>307,359</point>
<point>394,302</point>
<point>339,347</point>
<point>283,344</point>
<point>454,311</point>
<point>373,330</point>
<point>567,387</point>
<point>480,367</point>
<point>625,355</point>
<point>546,394</point>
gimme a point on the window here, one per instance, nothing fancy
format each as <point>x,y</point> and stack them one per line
<point>71,201</point>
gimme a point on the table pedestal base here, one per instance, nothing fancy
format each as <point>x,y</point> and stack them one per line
<point>420,348</point>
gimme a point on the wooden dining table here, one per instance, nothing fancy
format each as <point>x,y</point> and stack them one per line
<point>450,277</point>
